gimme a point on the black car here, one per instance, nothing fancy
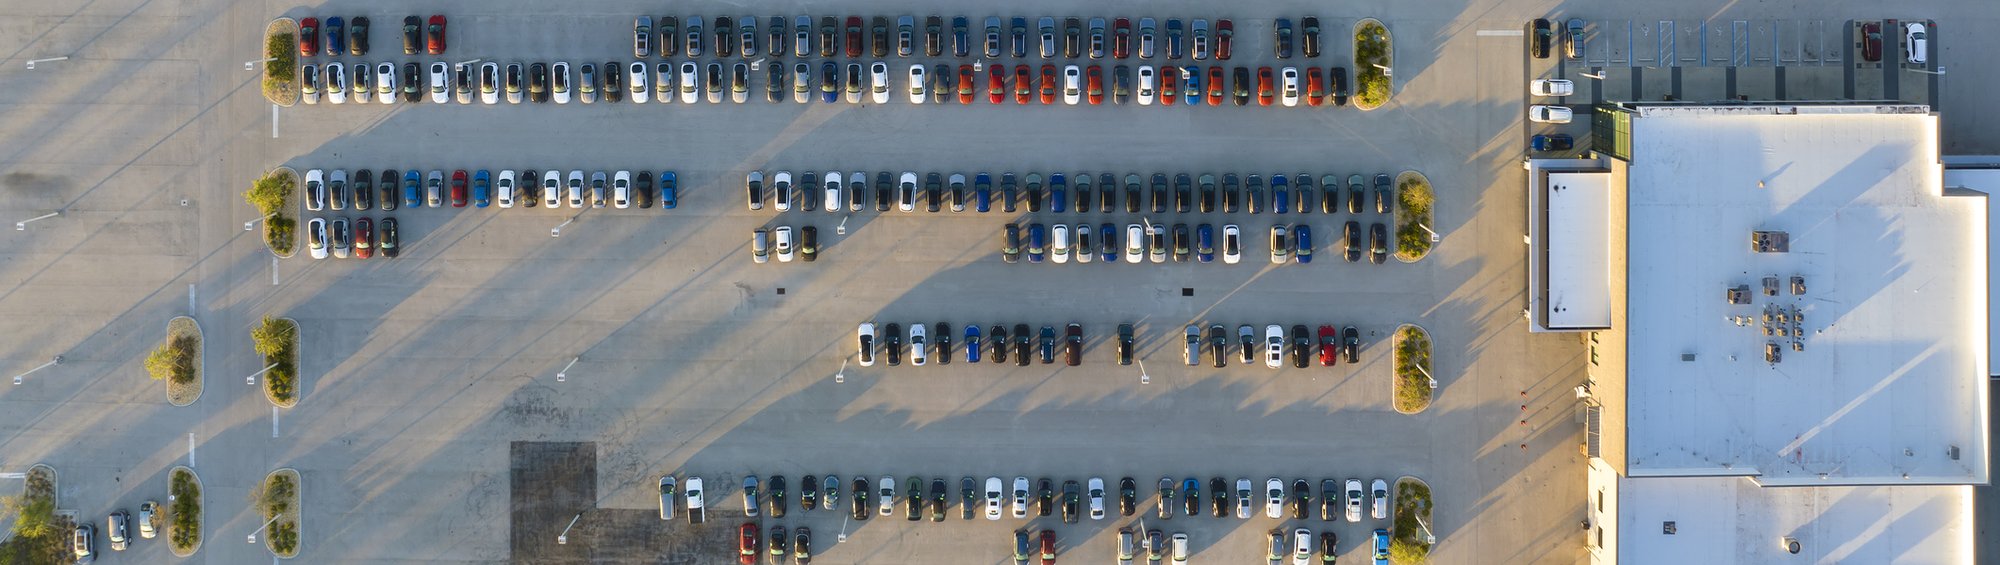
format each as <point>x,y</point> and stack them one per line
<point>667,36</point>
<point>1159,190</point>
<point>1253,193</point>
<point>1009,192</point>
<point>1378,243</point>
<point>538,82</point>
<point>998,337</point>
<point>1048,345</point>
<point>968,497</point>
<point>1071,501</point>
<point>364,190</point>
<point>357,36</point>
<point>1021,338</point>
<point>1045,497</point>
<point>725,27</point>
<point>809,493</point>
<point>388,189</point>
<point>1339,86</point>
<point>411,91</point>
<point>642,186</point>
<point>1083,197</point>
<point>776,486</point>
<point>884,191</point>
<point>808,182</point>
<point>802,545</point>
<point>776,88</point>
<point>1191,496</point>
<point>893,346</point>
<point>1302,185</point>
<point>943,342</point>
<point>913,507</point>
<point>829,36</point>
<point>1355,194</point>
<point>1283,31</point>
<point>1182,250</point>
<point>1128,496</point>
<point>937,500</point>
<point>1543,36</point>
<point>1241,87</point>
<point>1384,197</point>
<point>1183,193</point>
<point>413,34</point>
<point>1301,498</point>
<point>1107,188</point>
<point>1073,345</point>
<point>1231,197</point>
<point>1329,500</point>
<point>1301,346</point>
<point>933,191</point>
<point>879,32</point>
<point>1125,347</point>
<point>1350,340</point>
<point>1353,239</point>
<point>1134,194</point>
<point>614,80</point>
<point>1218,496</point>
<point>860,499</point>
<point>809,243</point>
<point>1072,38</point>
<point>1010,251</point>
<point>388,243</point>
<point>1035,195</point>
<point>1017,33</point>
<point>933,36</point>
<point>776,37</point>
<point>1218,345</point>
<point>1309,35</point>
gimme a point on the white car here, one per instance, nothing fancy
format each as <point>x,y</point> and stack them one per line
<point>1243,498</point>
<point>993,498</point>
<point>621,189</point>
<point>1302,546</point>
<point>1274,347</point>
<point>1551,87</point>
<point>864,338</point>
<point>1179,544</point>
<point>663,82</point>
<point>1232,244</point>
<point>1060,243</point>
<point>385,83</point>
<point>1135,243</point>
<point>1378,499</point>
<point>316,237</point>
<point>1280,249</point>
<point>1096,493</point>
<point>1072,85</point>
<point>886,497</point>
<point>1147,85</point>
<point>315,190</point>
<point>336,83</point>
<point>917,84</point>
<point>830,195</point>
<point>503,189</point>
<point>559,81</point>
<point>801,83</point>
<point>1274,497</point>
<point>690,82</point>
<point>551,188</point>
<point>855,182</point>
<point>635,81</point>
<point>1020,496</point>
<point>781,190</point>
<point>1546,114</point>
<point>878,77</point>
<point>576,189</point>
<point>782,238</point>
<point>1353,500</point>
<point>1084,252</point>
<point>1158,235</point>
<point>440,90</point>
<point>1288,86</point>
<point>489,83</point>
<point>907,191</point>
<point>697,509</point>
<point>919,345</point>
<point>309,85</point>
<point>362,89</point>
<point>513,83</point>
<point>461,83</point>
<point>1916,43</point>
<point>597,196</point>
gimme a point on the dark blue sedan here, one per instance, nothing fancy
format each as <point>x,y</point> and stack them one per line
<point>1058,193</point>
<point>1107,243</point>
<point>1302,243</point>
<point>1038,242</point>
<point>1204,243</point>
<point>972,343</point>
<point>336,36</point>
<point>982,191</point>
<point>1281,194</point>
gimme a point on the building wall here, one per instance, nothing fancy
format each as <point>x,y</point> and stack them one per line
<point>1601,538</point>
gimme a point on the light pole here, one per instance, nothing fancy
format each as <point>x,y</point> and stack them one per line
<point>563,538</point>
<point>1427,376</point>
<point>252,379</point>
<point>1144,378</point>
<point>843,529</point>
<point>469,63</point>
<point>842,228</point>
<point>841,376</point>
<point>52,362</point>
<point>564,373</point>
<point>757,64</point>
<point>31,64</point>
<point>557,231</point>
<point>1939,71</point>
<point>1386,71</point>
<point>1427,229</point>
<point>1429,539</point>
<point>252,224</point>
<point>23,224</point>
<point>252,65</point>
<point>1597,75</point>
<point>267,524</point>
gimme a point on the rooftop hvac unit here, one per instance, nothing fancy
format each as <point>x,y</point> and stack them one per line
<point>1739,294</point>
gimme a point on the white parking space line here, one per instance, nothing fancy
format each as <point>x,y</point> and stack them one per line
<point>274,270</point>
<point>190,299</point>
<point>274,421</point>
<point>1499,33</point>
<point>274,121</point>
<point>190,450</point>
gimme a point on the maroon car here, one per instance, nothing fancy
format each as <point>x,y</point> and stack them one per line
<point>435,42</point>
<point>1871,41</point>
<point>1224,30</point>
<point>1329,347</point>
<point>1121,38</point>
<point>854,36</point>
<point>309,37</point>
<point>458,188</point>
<point>364,239</point>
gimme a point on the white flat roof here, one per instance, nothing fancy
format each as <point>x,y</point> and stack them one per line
<point>1891,381</point>
<point>1728,520</point>
<point>1579,249</point>
<point>1985,180</point>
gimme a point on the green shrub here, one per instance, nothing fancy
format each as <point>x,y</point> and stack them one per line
<point>1413,350</point>
<point>1371,47</point>
<point>1413,213</point>
<point>185,530</point>
<point>272,193</point>
<point>277,340</point>
<point>34,516</point>
<point>285,61</point>
<point>1406,543</point>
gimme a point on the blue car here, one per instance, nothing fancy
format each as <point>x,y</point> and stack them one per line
<point>1107,242</point>
<point>1281,195</point>
<point>960,45</point>
<point>336,36</point>
<point>1302,243</point>
<point>670,194</point>
<point>413,191</point>
<point>1204,243</point>
<point>972,343</point>
<point>1038,242</point>
<point>1193,76</point>
<point>1058,193</point>
<point>1381,546</point>
<point>482,188</point>
<point>829,77</point>
<point>982,191</point>
<point>1174,31</point>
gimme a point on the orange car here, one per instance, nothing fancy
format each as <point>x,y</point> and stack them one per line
<point>996,84</point>
<point>1215,86</point>
<point>1170,85</point>
<point>965,84</point>
<point>1315,86</point>
<point>1263,86</point>
<point>1096,84</point>
<point>1048,84</point>
<point>1024,86</point>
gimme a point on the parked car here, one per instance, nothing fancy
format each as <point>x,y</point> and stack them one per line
<point>1543,36</point>
<point>1553,142</point>
<point>114,527</point>
<point>1354,502</point>
<point>1381,546</point>
<point>1551,87</point>
<point>1378,243</point>
<point>1871,41</point>
<point>697,507</point>
<point>1274,496</point>
<point>434,36</point>
<point>149,510</point>
<point>1916,43</point>
<point>1573,39</point>
<point>1378,499</point>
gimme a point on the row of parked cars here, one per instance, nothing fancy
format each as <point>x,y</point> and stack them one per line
<point>1071,37</point>
<point>1328,344</point>
<point>333,189</point>
<point>83,539</point>
<point>834,192</point>
<point>1060,243</point>
<point>784,243</point>
<point>748,545</point>
<point>335,238</point>
<point>1350,500</point>
<point>1331,346</point>
<point>1158,547</point>
<point>351,36</point>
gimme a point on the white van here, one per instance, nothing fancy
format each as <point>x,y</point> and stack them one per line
<point>1916,43</point>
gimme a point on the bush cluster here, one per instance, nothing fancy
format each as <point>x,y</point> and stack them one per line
<point>1406,543</point>
<point>279,491</point>
<point>1371,47</point>
<point>1413,199</point>
<point>284,65</point>
<point>272,194</point>
<point>185,532</point>
<point>1413,350</point>
<point>277,340</point>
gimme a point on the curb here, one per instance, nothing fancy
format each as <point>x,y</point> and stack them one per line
<point>298,375</point>
<point>203,518</point>
<point>201,349</point>
<point>1434,213</point>
<point>1395,381</point>
<point>280,25</point>
<point>298,507</point>
<point>1353,59</point>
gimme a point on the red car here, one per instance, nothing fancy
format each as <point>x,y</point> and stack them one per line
<point>996,84</point>
<point>1048,84</point>
<point>1223,31</point>
<point>854,36</point>
<point>1871,41</point>
<point>1095,84</point>
<point>965,84</point>
<point>364,239</point>
<point>1263,86</point>
<point>458,188</point>
<point>1315,86</point>
<point>746,544</point>
<point>1121,38</point>
<point>309,37</point>
<point>436,41</point>
<point>1170,85</point>
<point>1329,347</point>
<point>1024,86</point>
<point>1215,86</point>
<point>1048,547</point>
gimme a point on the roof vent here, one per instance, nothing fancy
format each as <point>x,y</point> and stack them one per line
<point>1763,241</point>
<point>1952,452</point>
<point>1791,545</point>
<point>1687,357</point>
<point>1667,527</point>
<point>1739,294</point>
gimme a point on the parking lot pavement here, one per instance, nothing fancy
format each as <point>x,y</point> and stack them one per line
<point>421,372</point>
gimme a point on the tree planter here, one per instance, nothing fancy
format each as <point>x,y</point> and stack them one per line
<point>281,498</point>
<point>1372,46</point>
<point>178,361</point>
<point>1412,387</point>
<point>274,197</point>
<point>281,82</point>
<point>1406,541</point>
<point>38,534</point>
<point>184,511</point>
<point>277,340</point>
<point>1414,203</point>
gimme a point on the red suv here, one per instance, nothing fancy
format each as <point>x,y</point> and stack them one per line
<point>1121,38</point>
<point>309,37</point>
<point>435,41</point>
<point>746,544</point>
<point>1329,347</point>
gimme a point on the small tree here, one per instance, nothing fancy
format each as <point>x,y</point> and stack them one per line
<point>270,193</point>
<point>271,337</point>
<point>34,516</point>
<point>164,363</point>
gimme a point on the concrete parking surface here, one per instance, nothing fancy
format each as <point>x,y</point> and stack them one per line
<point>425,375</point>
